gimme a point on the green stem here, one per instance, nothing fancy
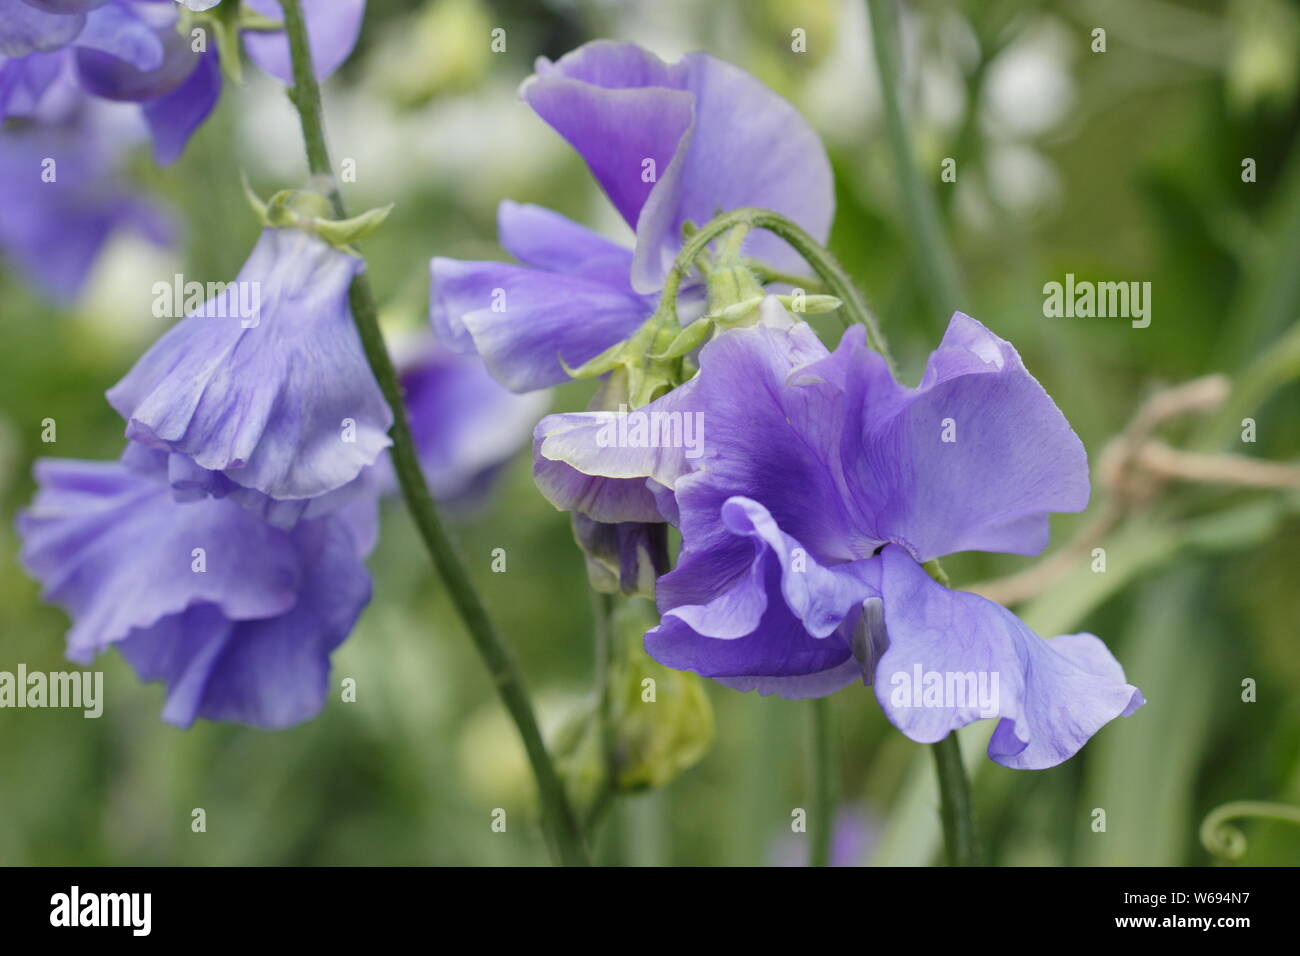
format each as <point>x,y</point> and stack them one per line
<point>823,263</point>
<point>955,803</point>
<point>562,824</point>
<point>824,772</point>
<point>922,213</point>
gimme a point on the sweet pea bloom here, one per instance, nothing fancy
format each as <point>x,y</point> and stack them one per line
<point>822,488</point>
<point>267,382</point>
<point>464,424</point>
<point>237,617</point>
<point>668,144</point>
<point>132,51</point>
<point>62,202</point>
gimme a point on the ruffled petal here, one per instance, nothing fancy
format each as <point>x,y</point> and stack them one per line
<point>275,393</point>
<point>332,30</point>
<point>523,321</point>
<point>973,458</point>
<point>113,548</point>
<point>953,658</point>
<point>723,589</point>
<point>270,673</point>
<point>173,117</point>
<point>778,656</point>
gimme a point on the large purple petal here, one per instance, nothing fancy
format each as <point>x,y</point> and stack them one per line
<point>717,137</point>
<point>972,459</point>
<point>332,30</point>
<point>279,397</point>
<point>174,116</point>
<point>523,321</point>
<point>952,658</point>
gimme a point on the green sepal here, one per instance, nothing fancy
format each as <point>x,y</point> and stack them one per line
<point>687,340</point>
<point>341,233</point>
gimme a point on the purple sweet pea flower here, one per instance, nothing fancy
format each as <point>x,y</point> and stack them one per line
<point>62,201</point>
<point>672,143</point>
<point>267,382</point>
<point>668,144</point>
<point>821,488</point>
<point>238,618</point>
<point>464,424</point>
<point>131,51</point>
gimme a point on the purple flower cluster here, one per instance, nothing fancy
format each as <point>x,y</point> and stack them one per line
<point>822,489</point>
<point>132,51</point>
<point>223,553</point>
<point>62,62</point>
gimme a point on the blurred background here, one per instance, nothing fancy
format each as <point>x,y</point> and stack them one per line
<point>1122,165</point>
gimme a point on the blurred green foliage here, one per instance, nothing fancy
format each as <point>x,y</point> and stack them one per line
<point>1122,165</point>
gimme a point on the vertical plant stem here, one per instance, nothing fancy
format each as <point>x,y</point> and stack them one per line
<point>936,258</point>
<point>955,803</point>
<point>558,814</point>
<point>824,774</point>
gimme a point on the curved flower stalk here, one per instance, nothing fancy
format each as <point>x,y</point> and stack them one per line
<point>237,617</point>
<point>822,489</point>
<point>137,51</point>
<point>669,144</point>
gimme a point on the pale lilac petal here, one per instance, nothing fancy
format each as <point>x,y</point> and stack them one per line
<point>112,547</point>
<point>280,398</point>
<point>1051,696</point>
